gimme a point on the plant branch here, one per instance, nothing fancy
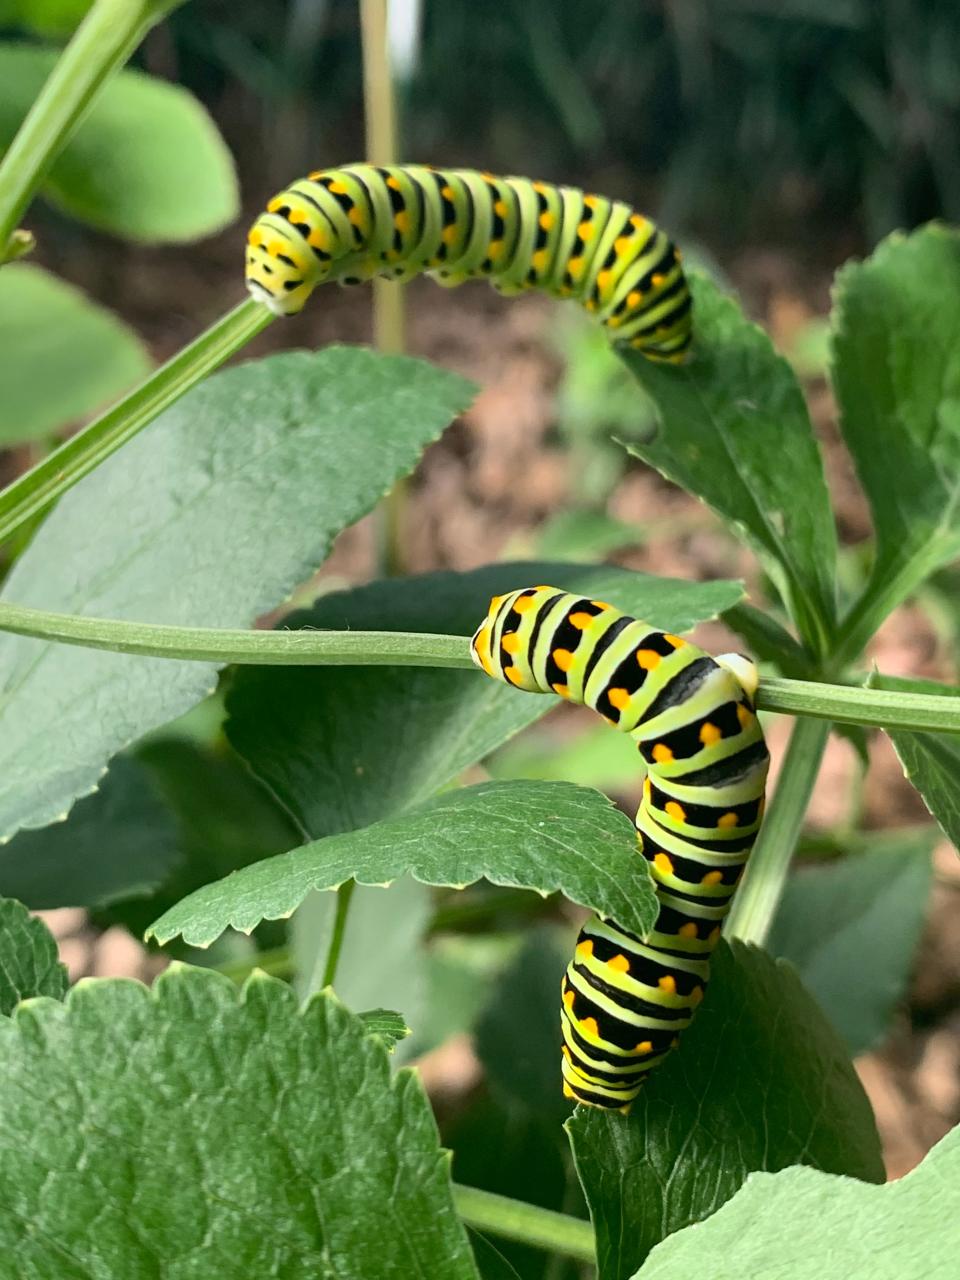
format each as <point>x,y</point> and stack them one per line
<point>526,1223</point>
<point>344,896</point>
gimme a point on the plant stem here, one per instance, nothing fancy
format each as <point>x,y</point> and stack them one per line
<point>344,895</point>
<point>526,1223</point>
<point>756,902</point>
<point>278,962</point>
<point>102,43</point>
<point>34,491</point>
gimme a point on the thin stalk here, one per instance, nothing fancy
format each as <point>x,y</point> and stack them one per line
<point>344,895</point>
<point>756,902</point>
<point>525,1223</point>
<point>102,43</point>
<point>34,491</point>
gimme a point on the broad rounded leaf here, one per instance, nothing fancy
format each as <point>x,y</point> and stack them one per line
<point>29,963</point>
<point>146,163</point>
<point>804,1225</point>
<point>61,355</point>
<point>544,836</point>
<point>760,1081</point>
<point>209,517</point>
<point>200,1134</point>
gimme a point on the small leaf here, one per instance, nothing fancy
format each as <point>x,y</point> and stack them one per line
<point>146,163</point>
<point>61,355</point>
<point>760,1081</point>
<point>804,1225</point>
<point>544,836</point>
<point>210,517</point>
<point>388,1026</point>
<point>735,432</point>
<point>274,1107</point>
<point>851,928</point>
<point>29,963</point>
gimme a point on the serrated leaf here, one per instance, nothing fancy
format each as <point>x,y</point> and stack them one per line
<point>760,1081</point>
<point>120,842</point>
<point>343,747</point>
<point>544,836</point>
<point>61,355</point>
<point>388,1026</point>
<point>274,1107</point>
<point>896,372</point>
<point>210,517</point>
<point>29,962</point>
<point>851,928</point>
<point>804,1225</point>
<point>147,161</point>
<point>736,433</point>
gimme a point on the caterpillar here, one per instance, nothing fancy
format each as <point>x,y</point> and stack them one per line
<point>625,999</point>
<point>360,221</point>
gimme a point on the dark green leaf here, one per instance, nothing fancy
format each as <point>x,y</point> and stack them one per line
<point>852,926</point>
<point>760,1081</point>
<point>736,433</point>
<point>210,517</point>
<point>343,747</point>
<point>194,1132</point>
<point>29,963</point>
<point>491,1263</point>
<point>147,161</point>
<point>534,835</point>
<point>804,1225</point>
<point>61,355</point>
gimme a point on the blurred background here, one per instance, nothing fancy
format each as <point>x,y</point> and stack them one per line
<point>775,138</point>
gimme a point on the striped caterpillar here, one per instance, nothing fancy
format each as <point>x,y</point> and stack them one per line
<point>353,223</point>
<point>625,998</point>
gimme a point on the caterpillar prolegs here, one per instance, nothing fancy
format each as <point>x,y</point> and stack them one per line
<point>625,999</point>
<point>353,223</point>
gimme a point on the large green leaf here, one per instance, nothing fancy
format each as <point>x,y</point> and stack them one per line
<point>804,1225</point>
<point>147,162</point>
<point>533,835</point>
<point>897,377</point>
<point>29,963</point>
<point>343,747</point>
<point>760,1081</point>
<point>211,516</point>
<point>736,433</point>
<point>61,355</point>
<point>194,1132</point>
<point>852,927</point>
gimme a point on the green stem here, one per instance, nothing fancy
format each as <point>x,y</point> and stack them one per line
<point>756,902</point>
<point>278,962</point>
<point>102,43</point>
<point>36,489</point>
<point>344,896</point>
<point>525,1223</point>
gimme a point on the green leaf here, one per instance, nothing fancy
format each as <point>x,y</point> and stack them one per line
<point>211,516</point>
<point>325,739</point>
<point>594,758</point>
<point>62,355</point>
<point>897,377</point>
<point>760,1081</point>
<point>390,1027</point>
<point>120,842</point>
<point>735,432</point>
<point>532,835</point>
<point>29,963</point>
<point>584,535</point>
<point>146,163</point>
<point>931,761</point>
<point>50,18</point>
<point>461,971</point>
<point>99,1181</point>
<point>804,1225</point>
<point>491,1263</point>
<point>852,927</point>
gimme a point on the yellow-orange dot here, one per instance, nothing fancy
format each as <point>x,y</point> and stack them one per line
<point>580,620</point>
<point>401,220</point>
<point>634,298</point>
<point>568,999</point>
<point>638,220</point>
<point>675,811</point>
<point>677,641</point>
<point>614,322</point>
<point>575,267</point>
<point>540,186</point>
<point>563,658</point>
<point>603,279</point>
<point>447,193</point>
<point>619,963</point>
<point>645,1046</point>
<point>275,204</point>
<point>591,201</point>
<point>318,238</point>
<point>495,601</point>
<point>590,1028</point>
<point>393,183</point>
<point>668,984</point>
<point>494,249</point>
<point>562,689</point>
<point>601,604</point>
<point>546,220</point>
<point>317,173</point>
<point>523,603</point>
<point>568,1092</point>
<point>618,698</point>
<point>513,674</point>
<point>709,734</point>
<point>585,230</point>
<point>714,935</point>
<point>696,995</point>
<point>449,234</point>
<point>355,216</point>
<point>255,237</point>
<point>500,208</point>
<point>745,716</point>
<point>712,877</point>
<point>646,787</point>
<point>511,642</point>
<point>539,259</point>
<point>662,753</point>
<point>728,820</point>
<point>298,218</point>
<point>688,930</point>
<point>622,244</point>
<point>566,1052</point>
<point>648,659</point>
<point>339,188</point>
<point>657,280</point>
<point>584,949</point>
<point>663,863</point>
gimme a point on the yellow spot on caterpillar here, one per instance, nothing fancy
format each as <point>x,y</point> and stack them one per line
<point>575,267</point>
<point>317,173</point>
<point>568,999</point>
<point>668,984</point>
<point>584,949</point>
<point>482,649</point>
<point>696,995</point>
<point>447,193</point>
<point>568,1092</point>
<point>675,811</point>
<point>546,220</point>
<point>494,249</point>
<point>255,237</point>
<point>523,603</point>
<point>638,220</point>
<point>614,322</point>
<point>275,204</point>
<point>645,1046</point>
<point>580,620</point>
<point>677,641</point>
<point>603,280</point>
<point>663,864</point>
<point>585,230</point>
<point>745,716</point>
<point>563,658</point>
<point>688,930</point>
<point>712,877</point>
<point>539,186</point>
<point>541,587</point>
<point>589,1027</point>
<point>727,820</point>
<point>318,238</point>
<point>449,234</point>
<point>500,208</point>
<point>339,188</point>
<point>562,689</point>
<point>618,698</point>
<point>511,642</point>
<point>662,753</point>
<point>566,1052</point>
<point>298,218</point>
<point>601,604</point>
<point>591,202</point>
<point>539,260</point>
<point>657,280</point>
<point>714,935</point>
<point>619,963</point>
<point>401,220</point>
<point>513,674</point>
<point>646,788</point>
<point>355,217</point>
<point>393,183</point>
<point>634,298</point>
<point>495,601</point>
<point>275,247</point>
<point>648,659</point>
<point>709,734</point>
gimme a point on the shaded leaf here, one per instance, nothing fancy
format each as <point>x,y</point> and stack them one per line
<point>29,962</point>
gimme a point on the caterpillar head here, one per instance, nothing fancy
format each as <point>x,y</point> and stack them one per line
<point>500,645</point>
<point>279,272</point>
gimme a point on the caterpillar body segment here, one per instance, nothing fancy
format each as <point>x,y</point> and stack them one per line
<point>353,223</point>
<point>626,999</point>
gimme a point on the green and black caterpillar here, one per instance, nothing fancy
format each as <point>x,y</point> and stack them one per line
<point>360,221</point>
<point>625,999</point>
